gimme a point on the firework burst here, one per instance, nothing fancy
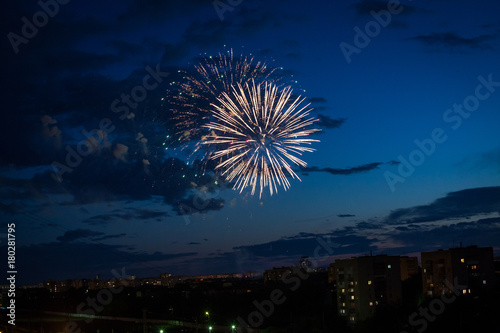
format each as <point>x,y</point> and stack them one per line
<point>258,130</point>
<point>190,99</point>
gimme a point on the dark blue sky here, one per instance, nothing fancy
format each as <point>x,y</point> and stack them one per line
<point>408,98</point>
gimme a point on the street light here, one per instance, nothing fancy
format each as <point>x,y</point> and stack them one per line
<point>210,328</point>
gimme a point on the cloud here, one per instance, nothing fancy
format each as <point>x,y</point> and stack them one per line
<point>457,204</point>
<point>453,41</point>
<point>72,235</point>
<point>317,100</point>
<point>346,215</point>
<point>482,232</point>
<point>110,237</point>
<point>366,6</point>
<point>197,204</point>
<point>327,122</point>
<point>349,171</point>
<point>76,260</point>
<point>126,214</point>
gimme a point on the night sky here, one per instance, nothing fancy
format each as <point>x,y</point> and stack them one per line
<point>408,101</point>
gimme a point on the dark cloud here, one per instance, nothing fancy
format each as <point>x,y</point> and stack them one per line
<point>349,171</point>
<point>365,7</point>
<point>194,243</point>
<point>346,215</point>
<point>453,41</point>
<point>197,204</point>
<point>458,204</point>
<point>72,235</point>
<point>78,234</point>
<point>109,237</point>
<point>158,11</point>
<point>327,122</point>
<point>317,100</point>
<point>76,260</point>
<point>447,236</point>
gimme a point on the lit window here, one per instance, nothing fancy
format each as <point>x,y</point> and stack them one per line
<point>371,303</point>
<point>469,291</point>
<point>484,281</point>
<point>343,290</point>
<point>352,318</point>
<point>464,291</point>
<point>352,297</point>
<point>343,304</point>
<point>474,267</point>
<point>369,281</point>
<point>462,260</point>
<point>388,266</point>
<point>425,270</point>
<point>351,290</point>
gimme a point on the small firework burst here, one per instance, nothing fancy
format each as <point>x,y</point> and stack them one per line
<point>190,98</point>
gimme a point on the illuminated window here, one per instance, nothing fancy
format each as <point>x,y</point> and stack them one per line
<point>425,270</point>
<point>343,304</point>
<point>369,282</point>
<point>469,291</point>
<point>352,318</point>
<point>343,290</point>
<point>371,303</point>
<point>462,260</point>
<point>342,310</point>
<point>474,267</point>
<point>351,290</point>
<point>388,266</point>
<point>484,281</point>
<point>352,297</point>
<point>464,291</point>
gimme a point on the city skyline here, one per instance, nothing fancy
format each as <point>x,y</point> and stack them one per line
<point>406,95</point>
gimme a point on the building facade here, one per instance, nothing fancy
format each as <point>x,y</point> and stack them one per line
<point>365,284</point>
<point>471,267</point>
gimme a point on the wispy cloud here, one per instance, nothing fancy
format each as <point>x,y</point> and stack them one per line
<point>452,41</point>
<point>458,204</point>
<point>327,122</point>
<point>348,171</point>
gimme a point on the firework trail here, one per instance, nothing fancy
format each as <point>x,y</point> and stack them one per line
<point>258,129</point>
